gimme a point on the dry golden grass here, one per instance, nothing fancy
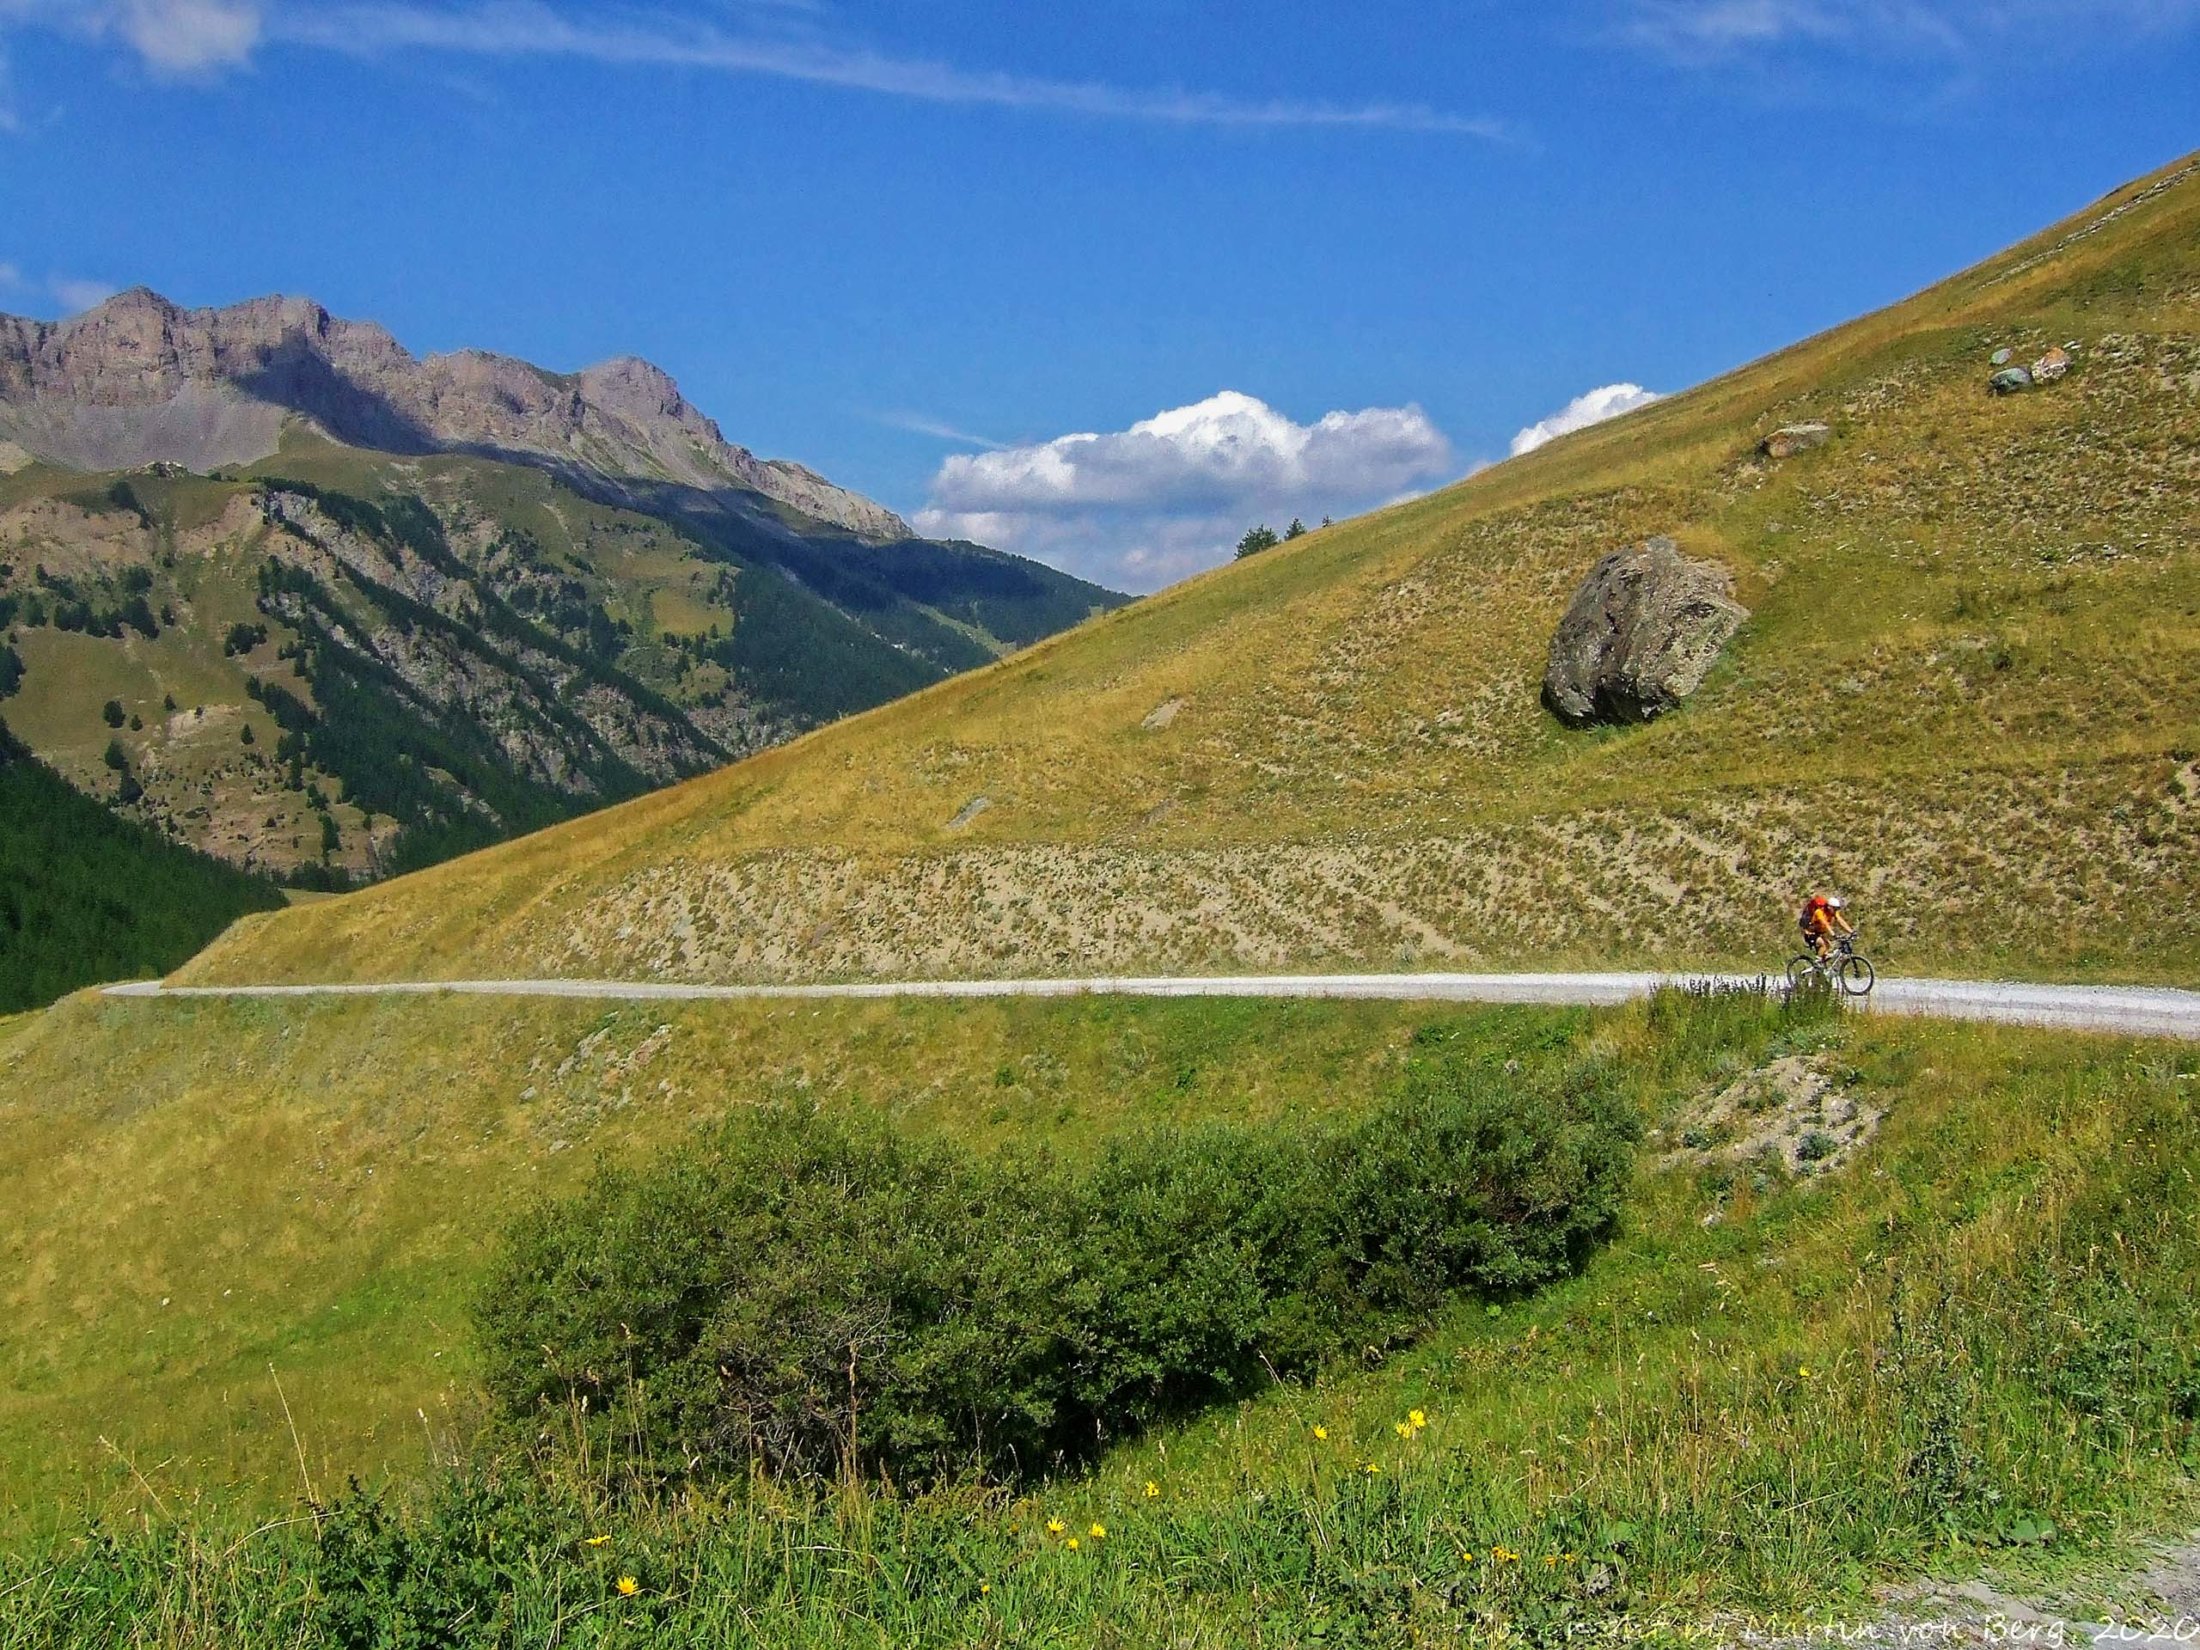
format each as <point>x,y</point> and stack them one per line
<point>1969,691</point>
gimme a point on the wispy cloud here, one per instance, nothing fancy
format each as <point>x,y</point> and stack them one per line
<point>171,37</point>
<point>52,295</point>
<point>918,424</point>
<point>76,296</point>
<point>524,28</point>
<point>184,36</point>
<point>1710,30</point>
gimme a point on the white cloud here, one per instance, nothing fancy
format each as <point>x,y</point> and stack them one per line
<point>1583,410</point>
<point>184,36</point>
<point>1145,506</point>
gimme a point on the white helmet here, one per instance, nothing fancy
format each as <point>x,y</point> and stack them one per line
<point>1837,902</point>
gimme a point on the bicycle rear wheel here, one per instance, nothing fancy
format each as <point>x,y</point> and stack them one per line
<point>1858,976</point>
<point>1803,973</point>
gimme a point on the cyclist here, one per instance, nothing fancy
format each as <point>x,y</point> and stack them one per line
<point>1824,919</point>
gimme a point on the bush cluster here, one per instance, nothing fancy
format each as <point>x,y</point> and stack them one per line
<point>823,1294</point>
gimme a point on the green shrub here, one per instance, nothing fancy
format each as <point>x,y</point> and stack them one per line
<point>824,1294</point>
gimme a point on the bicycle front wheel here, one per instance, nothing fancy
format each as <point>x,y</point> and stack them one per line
<point>1857,976</point>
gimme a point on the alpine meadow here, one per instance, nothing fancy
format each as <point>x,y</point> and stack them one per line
<point>443,1317</point>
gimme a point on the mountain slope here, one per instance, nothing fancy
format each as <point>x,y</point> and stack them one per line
<point>1967,693</point>
<point>85,896</point>
<point>451,599</point>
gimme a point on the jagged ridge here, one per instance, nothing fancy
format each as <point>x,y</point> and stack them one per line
<point>139,380</point>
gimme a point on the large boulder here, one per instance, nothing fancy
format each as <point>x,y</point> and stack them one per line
<point>1795,438</point>
<point>1640,635</point>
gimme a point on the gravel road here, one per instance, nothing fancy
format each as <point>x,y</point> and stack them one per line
<point>2143,1011</point>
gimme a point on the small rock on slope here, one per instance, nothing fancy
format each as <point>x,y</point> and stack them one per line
<point>1642,632</point>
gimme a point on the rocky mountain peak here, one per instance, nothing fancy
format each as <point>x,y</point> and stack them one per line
<point>628,384</point>
<point>140,379</point>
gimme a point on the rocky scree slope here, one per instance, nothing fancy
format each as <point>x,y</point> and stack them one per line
<point>1966,693</point>
<point>299,681</point>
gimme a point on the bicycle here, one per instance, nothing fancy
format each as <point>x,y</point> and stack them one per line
<point>1844,971</point>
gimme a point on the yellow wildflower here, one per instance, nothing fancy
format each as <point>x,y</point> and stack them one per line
<point>1374,1467</point>
<point>985,1587</point>
<point>1550,1561</point>
<point>1504,1555</point>
<point>1073,1544</point>
<point>1055,1526</point>
<point>1804,1372</point>
<point>1416,1419</point>
<point>1322,1433</point>
<point>628,1586</point>
<point>1099,1532</point>
<point>1153,1490</point>
<point>1402,1430</point>
<point>597,1540</point>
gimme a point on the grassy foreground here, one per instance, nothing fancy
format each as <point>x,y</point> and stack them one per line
<point>1974,1339</point>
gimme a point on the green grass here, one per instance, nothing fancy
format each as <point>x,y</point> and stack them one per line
<point>1721,1417</point>
<point>310,1185</point>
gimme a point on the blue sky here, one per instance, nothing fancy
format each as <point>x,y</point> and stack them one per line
<point>1273,258</point>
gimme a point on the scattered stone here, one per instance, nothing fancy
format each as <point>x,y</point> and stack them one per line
<point>1640,635</point>
<point>2010,381</point>
<point>2051,366</point>
<point>2001,357</point>
<point>970,810</point>
<point>1162,715</point>
<point>1795,438</point>
<point>1787,1113</point>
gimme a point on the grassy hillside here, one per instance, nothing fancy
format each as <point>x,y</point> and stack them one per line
<point>86,896</point>
<point>1967,693</point>
<point>1967,1333</point>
